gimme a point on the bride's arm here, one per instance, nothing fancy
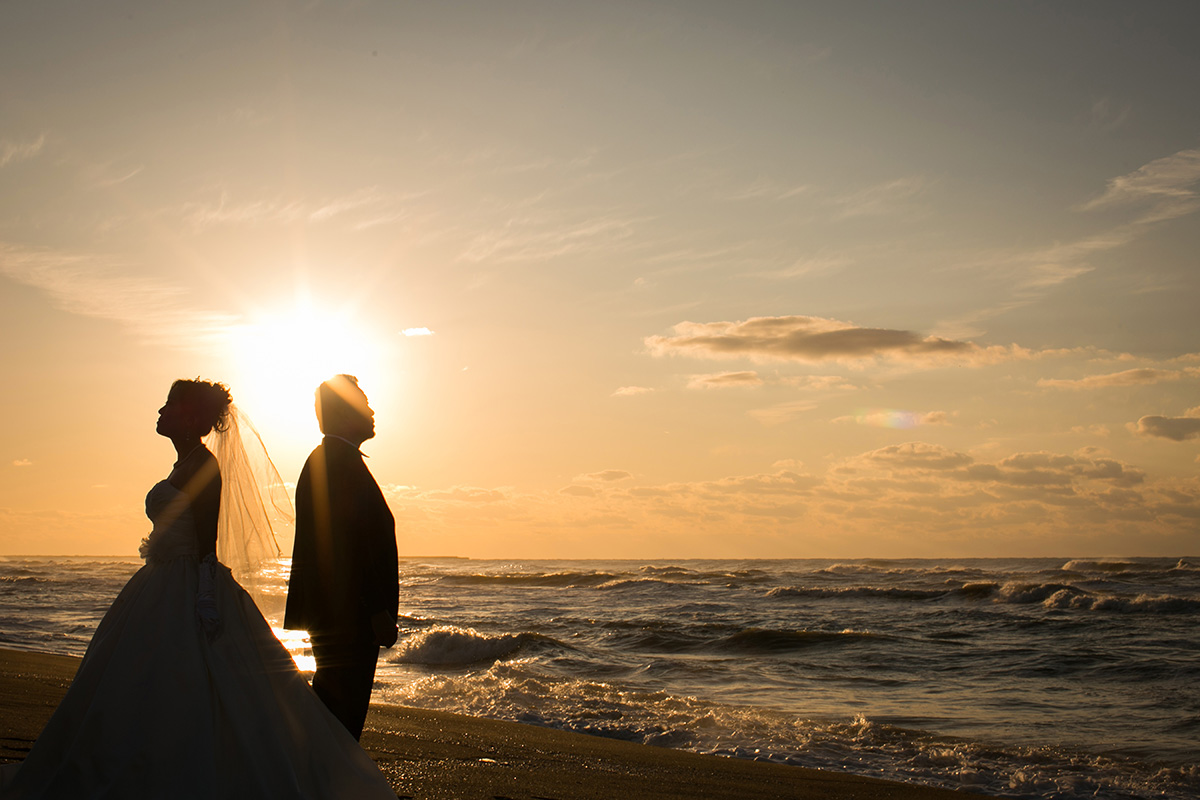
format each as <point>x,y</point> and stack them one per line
<point>206,507</point>
<point>203,488</point>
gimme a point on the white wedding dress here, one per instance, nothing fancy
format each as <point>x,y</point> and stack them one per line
<point>166,705</point>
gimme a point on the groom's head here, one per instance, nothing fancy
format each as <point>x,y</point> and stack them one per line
<point>342,409</point>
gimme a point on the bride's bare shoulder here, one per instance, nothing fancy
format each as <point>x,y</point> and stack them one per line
<point>197,473</point>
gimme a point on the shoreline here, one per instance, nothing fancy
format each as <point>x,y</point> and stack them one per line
<point>437,755</point>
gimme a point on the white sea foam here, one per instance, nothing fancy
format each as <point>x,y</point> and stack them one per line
<point>860,745</point>
<point>1088,565</point>
<point>445,644</point>
<point>1033,592</point>
<point>1143,603</point>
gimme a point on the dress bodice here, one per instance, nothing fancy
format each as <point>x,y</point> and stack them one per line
<point>174,533</point>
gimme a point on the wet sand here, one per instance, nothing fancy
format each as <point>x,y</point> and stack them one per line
<point>432,755</point>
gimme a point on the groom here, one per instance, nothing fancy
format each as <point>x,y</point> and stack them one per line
<point>344,586</point>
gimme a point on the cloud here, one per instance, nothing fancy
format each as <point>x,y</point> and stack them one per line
<point>540,238</point>
<point>12,152</point>
<point>817,265</point>
<point>769,190</point>
<point>819,383</point>
<point>877,199</point>
<point>605,476</point>
<point>1093,430</point>
<point>725,380</point>
<point>630,391</point>
<point>916,455</point>
<point>1165,183</point>
<point>22,462</point>
<point>1129,377</point>
<point>467,494</point>
<point>900,500</point>
<point>1177,429</point>
<point>1019,469</point>
<point>1107,116</point>
<point>93,286</point>
<point>417,332</point>
<point>106,178</point>
<point>895,418</point>
<point>361,209</point>
<point>781,413</point>
<point>815,340</point>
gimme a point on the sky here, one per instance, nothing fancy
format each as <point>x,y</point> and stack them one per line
<point>644,279</point>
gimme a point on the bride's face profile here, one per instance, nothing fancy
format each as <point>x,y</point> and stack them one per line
<point>172,417</point>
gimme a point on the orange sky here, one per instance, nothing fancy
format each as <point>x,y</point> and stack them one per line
<point>656,280</point>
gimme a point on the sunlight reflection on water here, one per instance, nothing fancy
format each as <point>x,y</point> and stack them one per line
<point>298,646</point>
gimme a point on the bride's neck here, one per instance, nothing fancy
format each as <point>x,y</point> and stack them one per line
<point>184,447</point>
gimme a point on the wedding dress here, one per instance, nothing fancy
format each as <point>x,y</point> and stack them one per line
<point>186,693</point>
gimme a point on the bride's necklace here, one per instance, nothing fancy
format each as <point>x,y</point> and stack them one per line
<point>189,455</point>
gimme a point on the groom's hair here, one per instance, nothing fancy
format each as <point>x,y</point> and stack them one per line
<point>338,398</point>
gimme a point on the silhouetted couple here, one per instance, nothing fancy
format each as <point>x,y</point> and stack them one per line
<point>185,691</point>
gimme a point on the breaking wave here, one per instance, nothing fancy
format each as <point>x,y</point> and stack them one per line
<point>858,744</point>
<point>446,645</point>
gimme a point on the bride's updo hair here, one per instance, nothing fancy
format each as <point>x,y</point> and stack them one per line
<point>207,401</point>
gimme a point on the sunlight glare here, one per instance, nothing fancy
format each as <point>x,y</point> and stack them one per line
<point>282,358</point>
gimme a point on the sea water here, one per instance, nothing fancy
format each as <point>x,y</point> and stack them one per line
<point>1041,678</point>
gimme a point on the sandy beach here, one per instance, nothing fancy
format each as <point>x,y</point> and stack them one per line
<point>430,755</point>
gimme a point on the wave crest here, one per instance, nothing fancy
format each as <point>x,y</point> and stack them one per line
<point>1143,603</point>
<point>446,645</point>
<point>1088,565</point>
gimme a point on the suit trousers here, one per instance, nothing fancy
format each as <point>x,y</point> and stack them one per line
<point>344,677</point>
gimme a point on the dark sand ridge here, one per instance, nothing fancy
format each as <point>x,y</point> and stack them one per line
<point>432,755</point>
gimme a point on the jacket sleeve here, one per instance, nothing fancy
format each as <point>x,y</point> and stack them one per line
<point>298,613</point>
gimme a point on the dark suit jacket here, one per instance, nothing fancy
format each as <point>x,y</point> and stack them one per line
<point>344,566</point>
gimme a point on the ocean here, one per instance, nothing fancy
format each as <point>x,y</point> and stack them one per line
<point>1038,678</point>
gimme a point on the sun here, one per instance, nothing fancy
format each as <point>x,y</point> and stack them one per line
<point>281,357</point>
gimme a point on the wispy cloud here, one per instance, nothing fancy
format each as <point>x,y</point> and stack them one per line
<point>631,391</point>
<point>94,286</point>
<point>1107,115</point>
<point>605,476</point>
<point>765,189</point>
<point>1166,184</point>
<point>1129,377</point>
<point>819,383</point>
<point>782,412</point>
<point>725,380</point>
<point>818,265</point>
<point>12,152</point>
<point>540,238</point>
<point>878,199</point>
<point>359,209</point>
<point>22,462</point>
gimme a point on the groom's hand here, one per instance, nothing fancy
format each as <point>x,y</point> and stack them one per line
<point>384,627</point>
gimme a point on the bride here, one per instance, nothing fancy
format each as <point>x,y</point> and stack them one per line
<point>184,691</point>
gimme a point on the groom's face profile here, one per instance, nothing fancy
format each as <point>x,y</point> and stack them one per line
<point>343,410</point>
